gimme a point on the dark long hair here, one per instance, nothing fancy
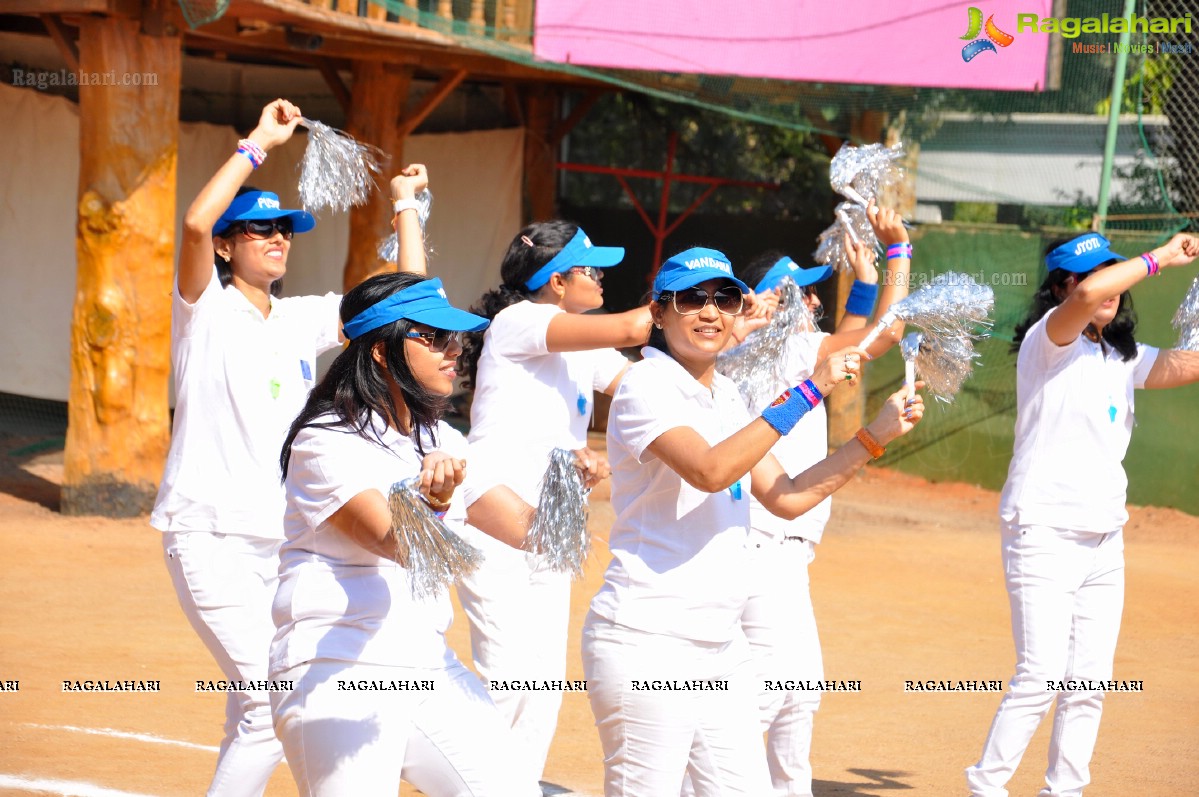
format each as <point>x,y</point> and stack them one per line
<point>1120,334</point>
<point>355,390</point>
<point>520,262</point>
<point>224,271</point>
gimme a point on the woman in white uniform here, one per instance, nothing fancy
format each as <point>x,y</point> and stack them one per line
<point>243,363</point>
<point>670,676</point>
<point>376,693</point>
<point>779,620</point>
<point>534,373</point>
<point>1062,511</point>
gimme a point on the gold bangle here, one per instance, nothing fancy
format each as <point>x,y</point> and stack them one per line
<point>435,504</point>
<point>870,444</point>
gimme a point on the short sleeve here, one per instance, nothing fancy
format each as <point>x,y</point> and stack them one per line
<point>183,313</point>
<point>320,314</point>
<point>321,473</point>
<point>519,331</point>
<point>608,363</point>
<point>1143,363</point>
<point>802,350</point>
<point>1041,353</point>
<point>645,407</point>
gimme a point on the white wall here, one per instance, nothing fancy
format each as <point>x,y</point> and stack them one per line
<point>475,179</point>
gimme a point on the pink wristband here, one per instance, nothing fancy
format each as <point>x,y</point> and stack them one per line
<point>1151,264</point>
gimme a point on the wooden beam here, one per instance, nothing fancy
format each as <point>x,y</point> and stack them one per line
<point>430,101</point>
<point>576,115</point>
<point>118,427</point>
<point>378,98</point>
<point>66,47</point>
<point>541,157</point>
<point>40,7</point>
<point>335,84</point>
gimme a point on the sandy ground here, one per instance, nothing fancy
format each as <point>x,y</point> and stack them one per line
<point>907,586</point>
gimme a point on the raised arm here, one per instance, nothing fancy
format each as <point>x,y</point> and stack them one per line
<point>888,226</point>
<point>1071,317</point>
<point>582,331</point>
<point>404,187</point>
<point>275,126</point>
<point>713,468</point>
<point>790,497</point>
<point>862,260</point>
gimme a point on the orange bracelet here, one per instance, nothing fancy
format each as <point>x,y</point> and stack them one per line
<point>870,444</point>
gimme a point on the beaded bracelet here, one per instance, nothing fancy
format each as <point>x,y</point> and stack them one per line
<point>254,153</point>
<point>1151,264</point>
<point>899,251</point>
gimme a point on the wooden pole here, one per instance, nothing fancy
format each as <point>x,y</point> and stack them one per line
<point>119,428</point>
<point>376,103</point>
<point>541,156</point>
<point>847,407</point>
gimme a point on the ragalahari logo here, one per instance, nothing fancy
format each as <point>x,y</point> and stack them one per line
<point>994,35</point>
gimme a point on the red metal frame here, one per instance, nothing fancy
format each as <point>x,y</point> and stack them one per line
<point>660,229</point>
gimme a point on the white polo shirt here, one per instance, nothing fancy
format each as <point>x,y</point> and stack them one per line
<point>679,561</point>
<point>336,600</point>
<point>1074,419</point>
<point>240,380</point>
<point>799,450</point>
<point>529,400</point>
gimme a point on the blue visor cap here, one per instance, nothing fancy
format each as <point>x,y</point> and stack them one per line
<point>786,267</point>
<point>256,205</point>
<point>693,266</point>
<point>578,252</point>
<point>1082,254</point>
<point>424,303</point>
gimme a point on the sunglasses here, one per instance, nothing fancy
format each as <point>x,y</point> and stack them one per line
<point>261,229</point>
<point>691,301</point>
<point>594,273</point>
<point>438,340</point>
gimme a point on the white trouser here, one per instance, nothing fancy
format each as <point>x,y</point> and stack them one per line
<point>226,585</point>
<point>448,741</point>
<point>519,612</point>
<point>652,738</point>
<point>781,628</point>
<point>1067,593</point>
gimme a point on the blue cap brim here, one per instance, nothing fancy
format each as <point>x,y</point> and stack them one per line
<point>450,318</point>
<point>1089,260</point>
<point>690,279</point>
<point>301,220</point>
<point>601,257</point>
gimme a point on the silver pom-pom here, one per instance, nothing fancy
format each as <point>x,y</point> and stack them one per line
<point>952,305</point>
<point>559,531</point>
<point>1186,320</point>
<point>758,364</point>
<point>862,173</point>
<point>943,362</point>
<point>389,247</point>
<point>434,556</point>
<point>337,171</point>
<point>851,219</point>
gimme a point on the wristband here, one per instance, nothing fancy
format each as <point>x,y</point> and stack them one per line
<point>861,298</point>
<point>254,153</point>
<point>810,391</point>
<point>786,410</point>
<point>1151,264</point>
<point>872,446</point>
<point>400,205</point>
<point>899,251</point>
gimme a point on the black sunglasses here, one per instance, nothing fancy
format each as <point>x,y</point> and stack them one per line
<point>261,229</point>
<point>691,301</point>
<point>437,340</point>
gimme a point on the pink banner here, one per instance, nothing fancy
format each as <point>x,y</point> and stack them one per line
<point>917,43</point>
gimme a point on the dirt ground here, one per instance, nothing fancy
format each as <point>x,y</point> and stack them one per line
<point>907,586</point>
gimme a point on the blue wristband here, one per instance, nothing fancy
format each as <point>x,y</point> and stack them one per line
<point>786,410</point>
<point>861,298</point>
